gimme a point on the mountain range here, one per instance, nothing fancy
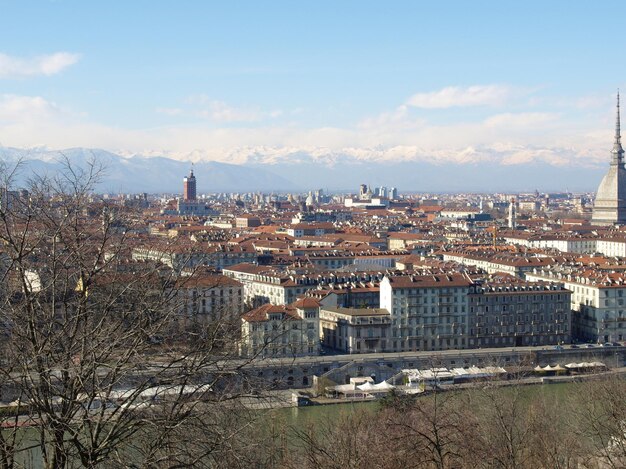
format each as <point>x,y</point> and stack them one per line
<point>161,174</point>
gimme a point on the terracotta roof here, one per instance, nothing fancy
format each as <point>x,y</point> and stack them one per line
<point>262,313</point>
<point>305,303</point>
<point>359,311</point>
<point>207,281</point>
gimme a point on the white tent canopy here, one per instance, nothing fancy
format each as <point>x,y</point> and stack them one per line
<point>367,386</point>
<point>344,388</point>
<point>582,365</point>
<point>384,386</point>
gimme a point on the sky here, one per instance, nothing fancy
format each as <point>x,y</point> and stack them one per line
<point>511,83</point>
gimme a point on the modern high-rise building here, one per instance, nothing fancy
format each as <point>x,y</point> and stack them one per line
<point>610,205</point>
<point>363,191</point>
<point>189,187</point>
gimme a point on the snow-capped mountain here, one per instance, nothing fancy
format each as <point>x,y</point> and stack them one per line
<point>266,169</point>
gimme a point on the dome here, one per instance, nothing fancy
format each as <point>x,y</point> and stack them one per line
<point>609,207</point>
<point>610,204</point>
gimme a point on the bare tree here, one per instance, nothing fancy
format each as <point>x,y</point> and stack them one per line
<point>93,356</point>
<point>554,443</point>
<point>430,431</point>
<point>353,440</point>
<point>600,412</point>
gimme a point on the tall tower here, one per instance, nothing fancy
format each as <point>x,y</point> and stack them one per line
<point>189,187</point>
<point>363,191</point>
<point>512,214</point>
<point>610,204</point>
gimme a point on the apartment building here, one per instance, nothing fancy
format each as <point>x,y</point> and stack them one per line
<point>208,297</point>
<point>508,314</point>
<point>598,300</point>
<point>179,256</point>
<point>281,330</point>
<point>498,262</point>
<point>564,242</point>
<point>370,258</point>
<point>263,284</point>
<point>356,330</point>
<point>428,312</point>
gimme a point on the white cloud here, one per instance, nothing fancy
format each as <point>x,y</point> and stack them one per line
<point>393,118</point>
<point>219,111</point>
<point>458,96</point>
<point>51,64</point>
<point>15,108</point>
<point>521,120</point>
<point>203,107</point>
<point>169,111</point>
<point>508,138</point>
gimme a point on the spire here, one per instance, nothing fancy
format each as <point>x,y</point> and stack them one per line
<point>617,123</point>
<point>618,151</point>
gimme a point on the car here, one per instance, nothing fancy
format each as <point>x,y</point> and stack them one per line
<point>574,346</point>
<point>558,347</point>
<point>589,346</point>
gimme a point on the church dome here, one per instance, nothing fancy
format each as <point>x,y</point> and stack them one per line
<point>610,205</point>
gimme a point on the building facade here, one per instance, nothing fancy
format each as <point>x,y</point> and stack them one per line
<point>519,314</point>
<point>189,187</point>
<point>598,302</point>
<point>281,330</point>
<point>356,330</point>
<point>428,312</point>
<point>205,298</point>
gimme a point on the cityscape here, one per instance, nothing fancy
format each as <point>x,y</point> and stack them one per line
<point>269,284</point>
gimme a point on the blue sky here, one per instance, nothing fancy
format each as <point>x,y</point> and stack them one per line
<point>504,82</point>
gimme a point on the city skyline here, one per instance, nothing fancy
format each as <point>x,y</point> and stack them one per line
<point>286,84</point>
<point>408,217</point>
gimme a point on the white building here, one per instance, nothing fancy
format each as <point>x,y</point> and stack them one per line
<point>281,331</point>
<point>565,243</point>
<point>356,330</point>
<point>612,247</point>
<point>428,312</point>
<point>598,301</point>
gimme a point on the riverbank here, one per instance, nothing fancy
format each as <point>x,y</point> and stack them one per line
<point>284,398</point>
